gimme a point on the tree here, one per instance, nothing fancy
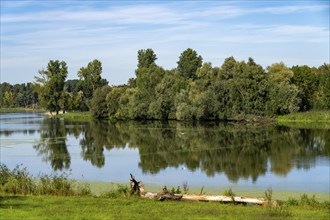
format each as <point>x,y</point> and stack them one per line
<point>90,77</point>
<point>113,100</point>
<point>146,58</point>
<point>307,81</point>
<point>98,103</point>
<point>189,62</point>
<point>283,95</point>
<point>51,84</point>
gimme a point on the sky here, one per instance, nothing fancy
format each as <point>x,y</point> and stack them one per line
<point>77,32</point>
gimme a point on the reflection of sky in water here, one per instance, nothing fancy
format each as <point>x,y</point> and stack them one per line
<point>17,148</point>
<point>120,162</point>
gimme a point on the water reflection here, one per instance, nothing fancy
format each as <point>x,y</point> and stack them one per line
<point>52,145</point>
<point>235,150</point>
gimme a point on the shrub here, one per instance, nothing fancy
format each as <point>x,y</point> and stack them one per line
<point>229,192</point>
<point>17,181</point>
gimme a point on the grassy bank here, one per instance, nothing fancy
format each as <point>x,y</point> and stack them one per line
<point>56,197</point>
<point>88,207</point>
<point>98,188</point>
<point>81,116</point>
<point>306,117</point>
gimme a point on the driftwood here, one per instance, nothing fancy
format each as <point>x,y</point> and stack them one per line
<point>137,188</point>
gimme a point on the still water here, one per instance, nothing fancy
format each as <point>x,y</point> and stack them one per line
<point>201,154</point>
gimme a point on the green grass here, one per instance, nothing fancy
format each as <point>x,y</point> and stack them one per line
<point>82,116</point>
<point>88,207</point>
<point>56,197</point>
<point>306,117</point>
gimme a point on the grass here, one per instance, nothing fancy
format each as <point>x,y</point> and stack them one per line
<point>56,197</point>
<point>97,188</point>
<point>89,207</point>
<point>304,117</point>
<point>83,116</point>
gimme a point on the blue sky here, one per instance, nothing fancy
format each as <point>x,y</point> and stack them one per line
<point>34,32</point>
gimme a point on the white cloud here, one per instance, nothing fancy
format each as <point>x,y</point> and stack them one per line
<point>113,34</point>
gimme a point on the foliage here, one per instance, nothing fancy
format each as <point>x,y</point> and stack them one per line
<point>268,194</point>
<point>283,95</point>
<point>18,95</point>
<point>146,58</point>
<point>51,86</point>
<point>99,107</point>
<point>189,62</point>
<point>90,77</point>
<point>194,90</point>
<point>19,181</point>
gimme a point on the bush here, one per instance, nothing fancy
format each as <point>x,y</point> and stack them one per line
<point>19,181</point>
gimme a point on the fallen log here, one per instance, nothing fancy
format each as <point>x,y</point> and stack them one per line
<point>137,188</point>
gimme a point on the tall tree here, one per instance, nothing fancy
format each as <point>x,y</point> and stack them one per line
<point>90,77</point>
<point>51,82</point>
<point>307,81</point>
<point>325,85</point>
<point>99,107</point>
<point>283,95</point>
<point>189,62</point>
<point>146,58</point>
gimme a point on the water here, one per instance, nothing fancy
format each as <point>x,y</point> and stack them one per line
<point>201,154</point>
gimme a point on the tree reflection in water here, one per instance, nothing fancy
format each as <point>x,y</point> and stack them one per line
<point>52,144</point>
<point>239,151</point>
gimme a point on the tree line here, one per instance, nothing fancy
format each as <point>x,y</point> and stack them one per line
<point>194,90</point>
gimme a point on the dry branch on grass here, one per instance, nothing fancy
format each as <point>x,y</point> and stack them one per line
<point>137,188</point>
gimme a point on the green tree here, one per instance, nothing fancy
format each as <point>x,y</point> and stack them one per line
<point>9,100</point>
<point>51,85</point>
<point>283,94</point>
<point>323,99</point>
<point>146,58</point>
<point>90,77</point>
<point>307,80</point>
<point>189,62</point>
<point>99,107</point>
<point>113,100</point>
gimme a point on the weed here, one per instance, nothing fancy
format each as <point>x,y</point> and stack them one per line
<point>268,195</point>
<point>309,201</point>
<point>19,181</point>
<point>176,191</point>
<point>229,192</point>
<point>278,212</point>
<point>292,202</point>
<point>122,191</point>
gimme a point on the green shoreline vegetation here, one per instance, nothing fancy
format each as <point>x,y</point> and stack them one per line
<point>57,197</point>
<point>305,117</point>
<point>192,91</point>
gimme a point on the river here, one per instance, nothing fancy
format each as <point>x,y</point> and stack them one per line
<point>213,154</point>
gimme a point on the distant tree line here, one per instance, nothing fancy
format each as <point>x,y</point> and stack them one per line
<point>192,91</point>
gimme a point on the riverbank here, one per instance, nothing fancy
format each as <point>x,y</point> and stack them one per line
<point>56,197</point>
<point>98,188</point>
<point>81,116</point>
<point>109,207</point>
<point>305,117</point>
<point>300,117</point>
